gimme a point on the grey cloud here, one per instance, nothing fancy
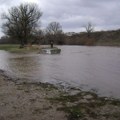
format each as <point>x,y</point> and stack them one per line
<point>73,14</point>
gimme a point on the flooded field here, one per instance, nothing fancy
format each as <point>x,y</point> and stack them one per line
<point>88,68</point>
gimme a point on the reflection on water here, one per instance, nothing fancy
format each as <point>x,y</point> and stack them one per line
<point>96,68</point>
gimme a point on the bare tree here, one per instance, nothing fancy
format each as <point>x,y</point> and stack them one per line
<point>54,32</point>
<point>21,21</point>
<point>54,28</point>
<point>89,28</point>
<point>38,36</point>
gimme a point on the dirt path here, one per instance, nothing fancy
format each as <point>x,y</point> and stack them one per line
<point>27,102</point>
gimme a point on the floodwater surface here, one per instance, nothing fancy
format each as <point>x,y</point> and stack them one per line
<point>88,68</point>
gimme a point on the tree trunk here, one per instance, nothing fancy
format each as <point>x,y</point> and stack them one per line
<point>22,44</point>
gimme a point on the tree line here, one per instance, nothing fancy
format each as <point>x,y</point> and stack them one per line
<point>22,23</point>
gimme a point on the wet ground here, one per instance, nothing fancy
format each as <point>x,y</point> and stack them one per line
<point>38,101</point>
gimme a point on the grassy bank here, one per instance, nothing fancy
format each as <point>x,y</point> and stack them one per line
<point>101,38</point>
<point>16,48</point>
<point>9,47</point>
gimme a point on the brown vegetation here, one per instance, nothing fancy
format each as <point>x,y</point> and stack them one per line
<point>96,38</point>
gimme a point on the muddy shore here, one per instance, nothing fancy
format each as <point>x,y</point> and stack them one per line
<point>27,101</point>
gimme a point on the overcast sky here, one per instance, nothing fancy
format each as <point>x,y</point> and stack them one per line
<point>74,14</point>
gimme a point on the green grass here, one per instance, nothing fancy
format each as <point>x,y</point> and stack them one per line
<point>8,47</point>
<point>15,48</point>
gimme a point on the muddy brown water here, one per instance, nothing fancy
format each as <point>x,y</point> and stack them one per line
<point>88,68</point>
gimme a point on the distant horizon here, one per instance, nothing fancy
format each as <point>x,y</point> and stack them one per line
<point>83,31</point>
